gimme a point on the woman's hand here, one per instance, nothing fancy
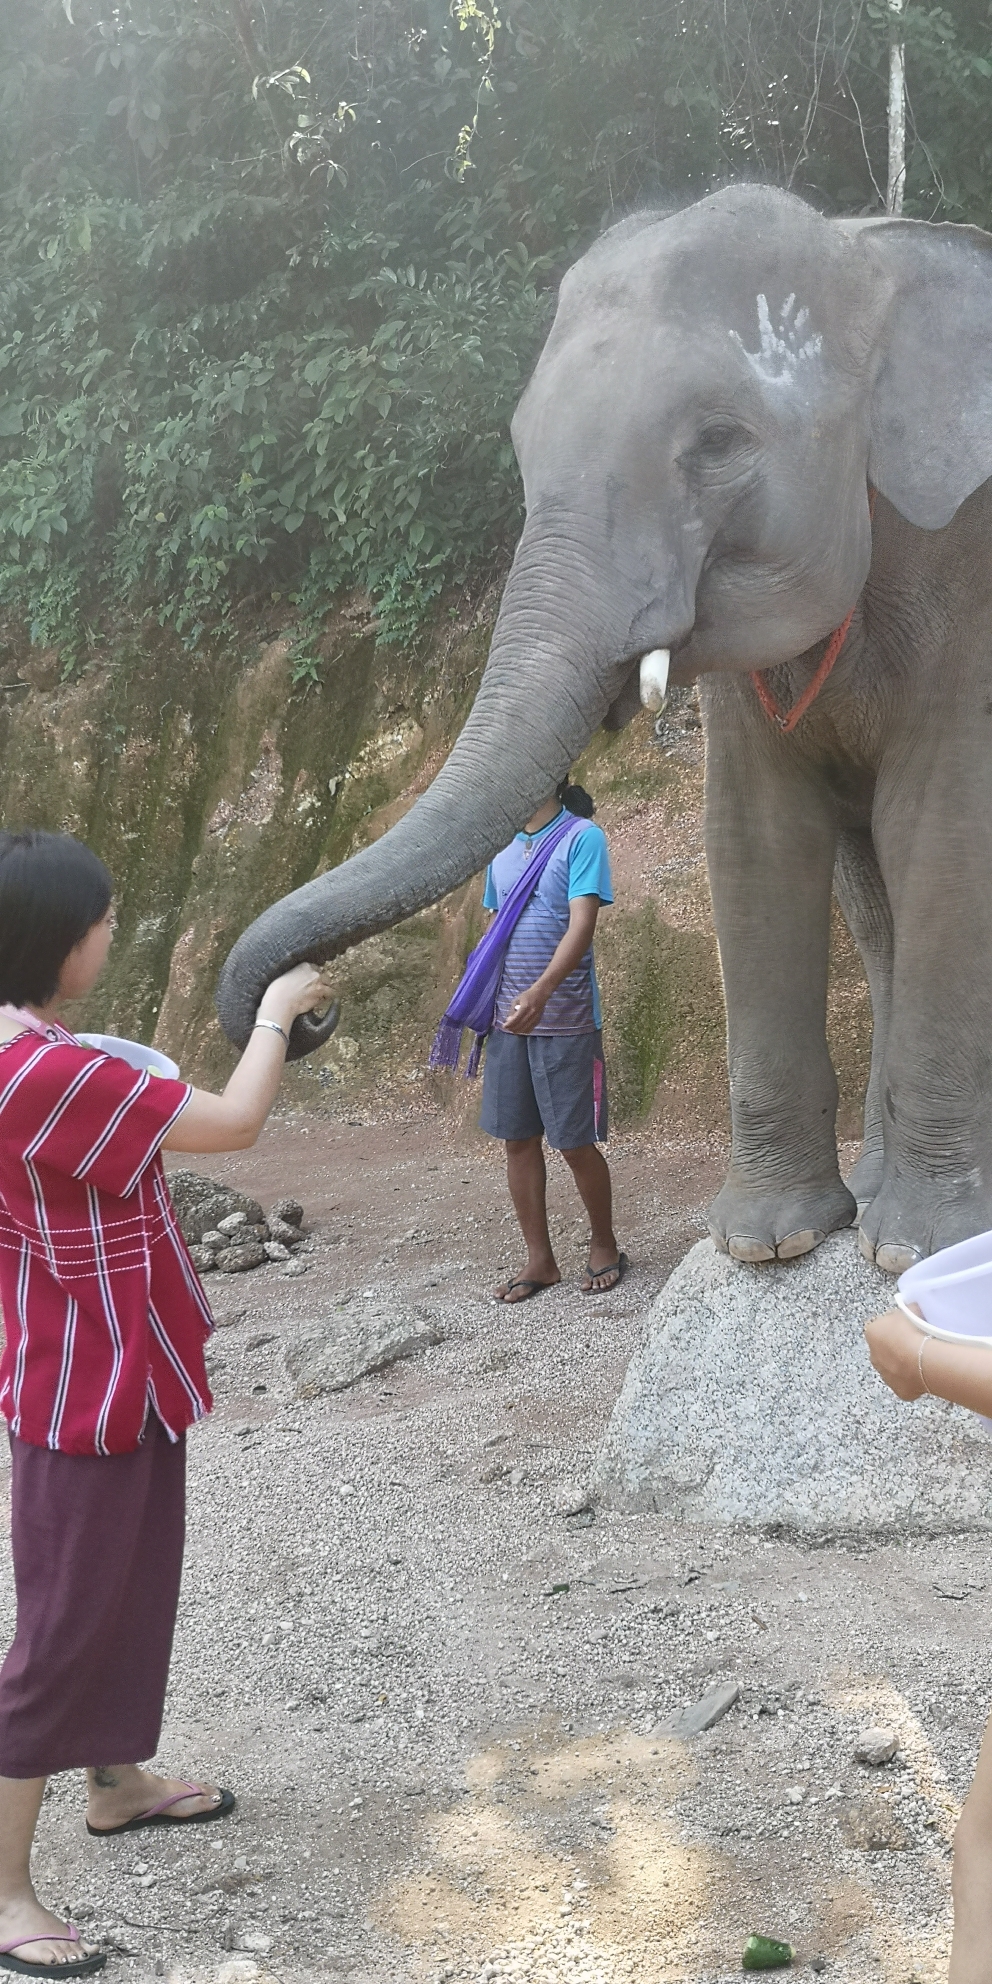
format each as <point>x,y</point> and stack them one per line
<point>298,991</point>
<point>894,1348</point>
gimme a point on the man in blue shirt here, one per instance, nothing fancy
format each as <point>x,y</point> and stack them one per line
<point>544,1073</point>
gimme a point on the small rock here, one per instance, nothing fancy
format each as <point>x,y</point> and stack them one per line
<point>259,1232</point>
<point>572,1500</point>
<point>819,1964</point>
<point>203,1258</point>
<point>295,1267</point>
<point>232,1222</point>
<point>876,1747</point>
<point>517,1477</point>
<point>275,1251</point>
<point>235,1260</point>
<point>794,1794</point>
<point>214,1238</point>
<point>287,1209</point>
<point>704,1714</point>
<point>282,1229</point>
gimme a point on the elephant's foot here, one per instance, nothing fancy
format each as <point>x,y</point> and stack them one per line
<point>774,1226</point>
<point>911,1218</point>
<point>865,1177</point>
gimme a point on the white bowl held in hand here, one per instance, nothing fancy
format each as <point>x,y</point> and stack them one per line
<point>133,1052</point>
<point>953,1291</point>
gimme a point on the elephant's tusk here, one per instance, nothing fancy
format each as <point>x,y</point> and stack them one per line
<point>654,678</point>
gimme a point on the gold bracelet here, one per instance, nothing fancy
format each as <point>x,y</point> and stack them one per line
<point>919,1365</point>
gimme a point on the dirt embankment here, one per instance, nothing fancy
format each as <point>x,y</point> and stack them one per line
<point>212,786</point>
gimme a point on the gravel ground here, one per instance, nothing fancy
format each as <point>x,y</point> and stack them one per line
<point>442,1701</point>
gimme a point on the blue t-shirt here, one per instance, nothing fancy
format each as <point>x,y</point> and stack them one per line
<point>579,866</point>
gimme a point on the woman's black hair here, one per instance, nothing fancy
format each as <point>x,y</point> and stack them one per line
<point>575,799</point>
<point>52,891</point>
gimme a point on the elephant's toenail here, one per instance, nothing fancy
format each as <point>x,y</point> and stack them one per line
<point>795,1244</point>
<point>894,1257</point>
<point>742,1247</point>
<point>866,1245</point>
<point>718,1241</point>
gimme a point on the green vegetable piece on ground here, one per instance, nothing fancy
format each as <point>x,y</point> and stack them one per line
<point>766,1953</point>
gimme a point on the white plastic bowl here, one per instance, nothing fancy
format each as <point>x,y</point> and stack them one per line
<point>953,1291</point>
<point>131,1051</point>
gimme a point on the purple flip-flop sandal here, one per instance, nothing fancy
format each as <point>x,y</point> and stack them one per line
<point>159,1814</point>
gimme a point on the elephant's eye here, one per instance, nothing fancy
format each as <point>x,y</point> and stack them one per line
<point>719,439</point>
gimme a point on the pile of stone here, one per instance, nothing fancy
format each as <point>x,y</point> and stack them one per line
<point>228,1232</point>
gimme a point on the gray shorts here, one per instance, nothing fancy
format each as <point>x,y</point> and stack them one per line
<point>550,1084</point>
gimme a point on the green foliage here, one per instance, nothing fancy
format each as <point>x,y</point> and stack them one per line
<point>270,282</point>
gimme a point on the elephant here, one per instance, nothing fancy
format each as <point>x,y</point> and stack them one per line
<point>753,427</point>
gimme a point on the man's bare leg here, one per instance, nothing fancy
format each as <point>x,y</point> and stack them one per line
<point>592,1177</point>
<point>527,1177</point>
<point>21,1913</point>
<point>119,1792</point>
<point>971,1954</point>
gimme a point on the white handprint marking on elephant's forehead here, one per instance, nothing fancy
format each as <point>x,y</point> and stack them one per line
<point>782,352</point>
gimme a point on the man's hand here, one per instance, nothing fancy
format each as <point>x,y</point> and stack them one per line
<point>894,1349</point>
<point>526,1011</point>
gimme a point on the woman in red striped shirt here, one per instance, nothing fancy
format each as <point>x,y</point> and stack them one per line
<point>101,1374</point>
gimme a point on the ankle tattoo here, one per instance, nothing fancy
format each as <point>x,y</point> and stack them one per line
<point>105,1778</point>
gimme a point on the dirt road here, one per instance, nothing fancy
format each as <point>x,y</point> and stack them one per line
<point>442,1703</point>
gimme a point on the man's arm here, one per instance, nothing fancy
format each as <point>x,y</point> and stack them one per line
<point>525,1013</point>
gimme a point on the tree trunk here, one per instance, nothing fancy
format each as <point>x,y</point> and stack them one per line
<point>897,109</point>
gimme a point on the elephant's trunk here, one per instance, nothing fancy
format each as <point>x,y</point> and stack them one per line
<point>560,654</point>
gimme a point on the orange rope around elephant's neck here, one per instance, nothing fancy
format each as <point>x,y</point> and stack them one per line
<point>788,719</point>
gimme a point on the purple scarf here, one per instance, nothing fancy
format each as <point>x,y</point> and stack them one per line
<point>474,1003</point>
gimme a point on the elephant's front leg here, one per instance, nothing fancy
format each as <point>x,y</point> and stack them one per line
<point>933,831</point>
<point>770,840</point>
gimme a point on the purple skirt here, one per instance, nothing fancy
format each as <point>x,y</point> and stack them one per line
<point>98,1551</point>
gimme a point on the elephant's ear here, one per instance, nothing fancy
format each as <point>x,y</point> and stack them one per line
<point>931,413</point>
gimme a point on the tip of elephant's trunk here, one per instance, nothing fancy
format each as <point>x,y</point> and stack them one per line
<point>308,1032</point>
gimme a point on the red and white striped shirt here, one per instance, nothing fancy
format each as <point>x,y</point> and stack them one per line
<point>104,1315</point>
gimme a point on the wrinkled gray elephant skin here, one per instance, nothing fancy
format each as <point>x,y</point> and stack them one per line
<point>718,390</point>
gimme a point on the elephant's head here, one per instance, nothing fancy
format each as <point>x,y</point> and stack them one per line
<point>696,442</point>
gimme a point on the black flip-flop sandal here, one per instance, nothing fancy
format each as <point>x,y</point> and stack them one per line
<point>618,1267</point>
<point>160,1815</point>
<point>533,1288</point>
<point>84,1966</point>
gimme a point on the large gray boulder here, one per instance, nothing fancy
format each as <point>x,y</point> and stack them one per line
<point>753,1401</point>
